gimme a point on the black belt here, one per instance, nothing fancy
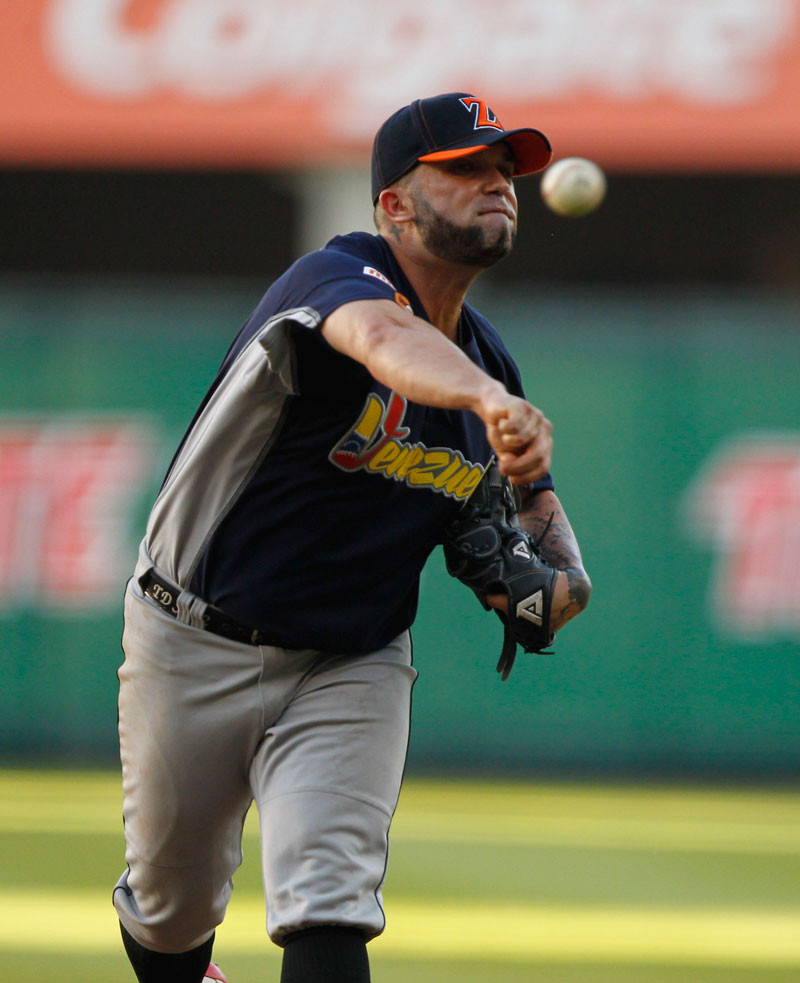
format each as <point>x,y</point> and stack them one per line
<point>165,594</point>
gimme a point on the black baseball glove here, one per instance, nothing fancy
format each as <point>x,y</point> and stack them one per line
<point>485,548</point>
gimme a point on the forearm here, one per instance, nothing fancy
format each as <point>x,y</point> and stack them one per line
<point>417,361</point>
<point>543,516</point>
<point>409,356</point>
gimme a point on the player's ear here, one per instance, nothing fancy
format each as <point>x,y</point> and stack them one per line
<point>396,204</point>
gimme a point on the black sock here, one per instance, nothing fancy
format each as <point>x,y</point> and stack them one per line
<point>160,967</point>
<point>327,954</point>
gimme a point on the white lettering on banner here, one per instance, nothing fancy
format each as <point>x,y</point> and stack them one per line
<point>66,488</point>
<point>374,57</point>
<point>93,49</point>
<point>746,502</point>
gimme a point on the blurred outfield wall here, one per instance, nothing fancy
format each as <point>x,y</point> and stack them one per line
<point>677,427</point>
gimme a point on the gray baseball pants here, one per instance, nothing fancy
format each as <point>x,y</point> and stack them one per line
<point>208,725</point>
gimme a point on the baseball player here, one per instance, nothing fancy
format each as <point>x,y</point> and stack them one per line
<point>266,640</point>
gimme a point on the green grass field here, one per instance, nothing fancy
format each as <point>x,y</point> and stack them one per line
<point>522,883</point>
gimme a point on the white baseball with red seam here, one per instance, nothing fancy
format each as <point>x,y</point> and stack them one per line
<point>573,186</point>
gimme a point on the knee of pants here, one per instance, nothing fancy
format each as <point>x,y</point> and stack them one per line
<point>324,859</point>
<point>170,912</point>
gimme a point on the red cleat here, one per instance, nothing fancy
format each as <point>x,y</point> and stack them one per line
<point>214,973</point>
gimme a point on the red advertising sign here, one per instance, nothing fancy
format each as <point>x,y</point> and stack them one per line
<point>746,504</point>
<point>633,83</point>
<point>66,490</point>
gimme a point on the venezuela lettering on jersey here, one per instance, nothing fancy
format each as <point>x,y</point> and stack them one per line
<point>376,443</point>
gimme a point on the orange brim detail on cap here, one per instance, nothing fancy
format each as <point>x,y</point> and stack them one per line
<point>530,155</point>
<point>452,154</point>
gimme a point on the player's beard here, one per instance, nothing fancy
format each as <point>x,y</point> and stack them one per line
<point>468,245</point>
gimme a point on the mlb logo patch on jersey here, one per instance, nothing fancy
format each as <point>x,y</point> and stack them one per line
<point>371,271</point>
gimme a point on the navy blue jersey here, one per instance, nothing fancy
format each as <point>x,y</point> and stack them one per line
<point>305,497</point>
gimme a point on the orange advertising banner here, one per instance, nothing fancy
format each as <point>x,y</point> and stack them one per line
<point>634,84</point>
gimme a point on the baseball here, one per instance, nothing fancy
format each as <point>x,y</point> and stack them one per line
<point>573,186</point>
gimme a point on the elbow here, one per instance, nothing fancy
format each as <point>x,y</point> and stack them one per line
<point>572,593</point>
<point>580,588</point>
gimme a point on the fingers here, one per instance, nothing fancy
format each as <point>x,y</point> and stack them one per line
<point>498,601</point>
<point>512,415</point>
<point>522,442</point>
<point>519,434</point>
<point>521,424</point>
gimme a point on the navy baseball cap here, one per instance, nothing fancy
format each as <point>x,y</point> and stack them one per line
<point>455,124</point>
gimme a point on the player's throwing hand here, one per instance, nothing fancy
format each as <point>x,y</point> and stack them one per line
<point>520,435</point>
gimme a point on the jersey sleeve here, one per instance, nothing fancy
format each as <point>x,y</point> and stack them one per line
<point>325,280</point>
<point>285,323</point>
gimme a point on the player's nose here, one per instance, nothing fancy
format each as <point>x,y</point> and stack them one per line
<point>500,185</point>
<point>498,181</point>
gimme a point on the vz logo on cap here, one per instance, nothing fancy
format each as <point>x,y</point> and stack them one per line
<point>532,608</point>
<point>483,115</point>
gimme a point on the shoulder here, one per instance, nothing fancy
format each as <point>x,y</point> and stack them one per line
<point>349,267</point>
<point>349,255</point>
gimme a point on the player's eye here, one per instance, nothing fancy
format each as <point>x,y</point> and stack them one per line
<point>461,165</point>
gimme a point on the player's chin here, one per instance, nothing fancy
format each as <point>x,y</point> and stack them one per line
<point>498,226</point>
<point>497,244</point>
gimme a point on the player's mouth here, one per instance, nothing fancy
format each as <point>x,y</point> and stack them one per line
<point>500,210</point>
